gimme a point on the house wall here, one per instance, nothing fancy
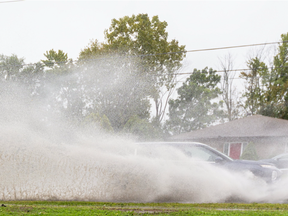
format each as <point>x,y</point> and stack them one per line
<point>267,148</point>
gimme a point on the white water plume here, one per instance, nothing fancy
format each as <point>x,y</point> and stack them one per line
<point>44,157</point>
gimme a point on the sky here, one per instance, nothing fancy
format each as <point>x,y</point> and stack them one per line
<point>30,28</point>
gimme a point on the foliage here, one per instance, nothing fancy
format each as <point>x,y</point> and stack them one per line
<point>10,67</point>
<point>119,90</point>
<point>115,89</point>
<point>267,88</point>
<point>229,95</point>
<point>253,95</point>
<point>249,152</point>
<point>58,62</point>
<point>14,69</point>
<point>141,128</point>
<point>83,92</point>
<point>146,41</point>
<point>117,80</point>
<point>54,57</point>
<point>276,96</point>
<point>55,88</point>
<point>194,108</point>
<point>93,51</point>
<point>97,120</point>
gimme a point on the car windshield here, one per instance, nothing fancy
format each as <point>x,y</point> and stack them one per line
<point>174,151</point>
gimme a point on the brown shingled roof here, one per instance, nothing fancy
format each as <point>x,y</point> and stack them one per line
<point>251,126</point>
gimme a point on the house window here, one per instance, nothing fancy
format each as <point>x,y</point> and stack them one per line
<point>226,149</point>
<point>234,149</point>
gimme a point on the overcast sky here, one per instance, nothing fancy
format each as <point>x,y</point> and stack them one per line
<point>30,28</point>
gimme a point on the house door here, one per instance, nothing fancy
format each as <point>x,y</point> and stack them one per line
<point>235,150</point>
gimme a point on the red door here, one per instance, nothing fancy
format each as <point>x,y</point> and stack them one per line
<point>235,150</point>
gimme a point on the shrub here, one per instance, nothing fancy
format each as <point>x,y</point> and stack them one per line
<point>249,152</point>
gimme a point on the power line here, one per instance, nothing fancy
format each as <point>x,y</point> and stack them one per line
<point>233,70</point>
<point>10,1</point>
<point>219,71</point>
<point>167,53</point>
<point>238,46</point>
<point>236,70</point>
<point>209,49</point>
<point>215,48</point>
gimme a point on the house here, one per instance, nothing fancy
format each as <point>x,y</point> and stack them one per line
<point>269,136</point>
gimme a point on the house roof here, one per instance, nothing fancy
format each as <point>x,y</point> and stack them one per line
<point>251,126</point>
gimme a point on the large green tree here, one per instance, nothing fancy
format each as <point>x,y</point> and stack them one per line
<point>148,38</point>
<point>116,89</point>
<point>267,87</point>
<point>276,97</point>
<point>195,106</point>
<point>155,61</point>
<point>255,85</point>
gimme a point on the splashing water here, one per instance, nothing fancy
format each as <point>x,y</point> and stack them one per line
<point>42,157</point>
<point>34,169</point>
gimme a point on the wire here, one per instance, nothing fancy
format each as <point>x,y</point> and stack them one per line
<point>200,50</point>
<point>235,70</point>
<point>238,46</point>
<point>216,48</point>
<point>219,71</point>
<point>10,1</point>
<point>185,51</point>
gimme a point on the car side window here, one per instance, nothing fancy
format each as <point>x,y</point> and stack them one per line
<point>200,153</point>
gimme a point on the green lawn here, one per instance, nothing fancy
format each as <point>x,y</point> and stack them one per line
<point>97,208</point>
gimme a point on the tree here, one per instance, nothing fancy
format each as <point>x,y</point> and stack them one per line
<point>93,51</point>
<point>96,121</point>
<point>228,90</point>
<point>141,36</point>
<point>194,108</point>
<point>58,62</point>
<point>10,67</point>
<point>155,61</point>
<point>254,88</point>
<point>249,152</point>
<point>141,128</point>
<point>14,69</point>
<point>267,89</point>
<point>277,94</point>
<point>116,87</point>
<point>69,92</point>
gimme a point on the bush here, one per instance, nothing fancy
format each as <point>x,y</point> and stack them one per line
<point>249,152</point>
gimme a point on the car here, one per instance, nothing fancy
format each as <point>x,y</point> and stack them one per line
<point>280,161</point>
<point>204,153</point>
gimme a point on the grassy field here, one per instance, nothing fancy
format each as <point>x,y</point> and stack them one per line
<point>97,208</point>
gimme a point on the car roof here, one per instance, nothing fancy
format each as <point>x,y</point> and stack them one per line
<point>167,143</point>
<point>184,143</point>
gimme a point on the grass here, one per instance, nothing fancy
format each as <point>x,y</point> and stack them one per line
<point>99,208</point>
